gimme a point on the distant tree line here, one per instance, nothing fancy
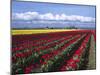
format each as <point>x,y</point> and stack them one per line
<point>70,27</point>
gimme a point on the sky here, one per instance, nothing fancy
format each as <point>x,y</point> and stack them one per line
<point>38,15</point>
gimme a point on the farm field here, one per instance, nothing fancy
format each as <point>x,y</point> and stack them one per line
<point>52,51</point>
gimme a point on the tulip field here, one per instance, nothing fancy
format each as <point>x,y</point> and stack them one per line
<point>52,51</point>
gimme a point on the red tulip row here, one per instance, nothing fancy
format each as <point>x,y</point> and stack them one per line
<point>73,63</point>
<point>20,39</point>
<point>46,57</point>
<point>37,43</point>
<point>46,46</point>
<point>58,57</point>
<point>29,52</point>
<point>20,55</point>
<point>41,52</point>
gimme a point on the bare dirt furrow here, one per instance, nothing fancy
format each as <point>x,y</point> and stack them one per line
<point>92,54</point>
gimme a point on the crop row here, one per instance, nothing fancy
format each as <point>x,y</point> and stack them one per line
<point>50,52</point>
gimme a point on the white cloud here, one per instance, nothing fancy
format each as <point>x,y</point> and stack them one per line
<point>26,15</point>
<point>47,16</point>
<point>50,16</point>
